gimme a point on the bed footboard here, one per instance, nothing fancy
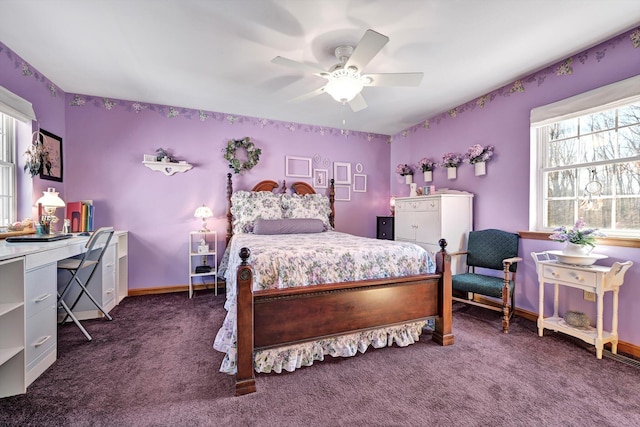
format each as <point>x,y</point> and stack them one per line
<point>271,318</point>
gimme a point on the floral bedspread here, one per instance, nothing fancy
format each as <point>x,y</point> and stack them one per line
<point>285,261</point>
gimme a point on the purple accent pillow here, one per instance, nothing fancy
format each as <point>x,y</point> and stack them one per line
<point>288,226</point>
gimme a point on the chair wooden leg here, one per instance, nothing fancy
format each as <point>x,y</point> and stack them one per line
<point>505,305</point>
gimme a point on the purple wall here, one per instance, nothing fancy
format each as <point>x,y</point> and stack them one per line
<point>502,195</point>
<point>104,151</point>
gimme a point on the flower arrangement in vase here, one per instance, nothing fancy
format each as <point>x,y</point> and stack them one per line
<point>427,165</point>
<point>579,240</point>
<point>406,171</point>
<point>478,155</point>
<point>451,161</point>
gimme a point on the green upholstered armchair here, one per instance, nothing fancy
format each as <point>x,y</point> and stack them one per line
<point>489,250</point>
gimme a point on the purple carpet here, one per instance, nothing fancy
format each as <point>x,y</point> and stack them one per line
<point>153,365</point>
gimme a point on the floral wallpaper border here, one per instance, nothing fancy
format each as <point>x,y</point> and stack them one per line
<point>564,68</point>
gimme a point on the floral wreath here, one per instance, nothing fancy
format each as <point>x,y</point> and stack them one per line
<point>253,155</point>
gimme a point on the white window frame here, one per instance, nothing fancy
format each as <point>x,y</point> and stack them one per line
<point>8,148</point>
<point>608,97</point>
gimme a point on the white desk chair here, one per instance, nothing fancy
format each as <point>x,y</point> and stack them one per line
<point>95,249</point>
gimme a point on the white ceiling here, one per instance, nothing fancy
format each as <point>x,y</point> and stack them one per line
<point>215,55</point>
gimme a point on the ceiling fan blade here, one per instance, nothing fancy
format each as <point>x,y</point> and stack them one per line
<point>395,79</point>
<point>358,103</point>
<point>299,66</point>
<point>368,47</point>
<point>309,95</point>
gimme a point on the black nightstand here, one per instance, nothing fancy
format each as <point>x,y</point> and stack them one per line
<point>384,228</point>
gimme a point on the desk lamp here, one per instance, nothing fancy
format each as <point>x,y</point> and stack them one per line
<point>49,201</point>
<point>204,213</point>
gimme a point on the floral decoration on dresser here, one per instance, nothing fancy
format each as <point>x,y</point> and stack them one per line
<point>477,153</point>
<point>451,160</point>
<point>253,155</point>
<point>577,235</point>
<point>427,165</point>
<point>404,169</point>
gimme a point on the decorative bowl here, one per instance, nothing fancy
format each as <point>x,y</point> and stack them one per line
<point>576,259</point>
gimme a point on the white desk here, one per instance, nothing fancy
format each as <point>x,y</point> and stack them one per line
<point>588,278</point>
<point>28,303</point>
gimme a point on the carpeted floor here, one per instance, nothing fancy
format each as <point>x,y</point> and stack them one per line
<point>154,366</point>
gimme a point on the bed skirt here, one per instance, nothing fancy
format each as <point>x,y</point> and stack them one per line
<point>289,358</point>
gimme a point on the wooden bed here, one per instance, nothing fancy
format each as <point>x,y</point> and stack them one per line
<point>270,318</point>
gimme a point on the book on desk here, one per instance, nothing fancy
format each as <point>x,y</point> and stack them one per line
<point>80,215</point>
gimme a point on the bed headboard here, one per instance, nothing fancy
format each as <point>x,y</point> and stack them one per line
<point>299,187</point>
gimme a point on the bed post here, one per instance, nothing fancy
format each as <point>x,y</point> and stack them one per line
<point>245,376</point>
<point>332,198</point>
<point>443,334</point>
<point>229,216</point>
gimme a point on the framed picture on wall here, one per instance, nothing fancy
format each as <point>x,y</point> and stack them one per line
<point>52,168</point>
<point>321,178</point>
<point>342,173</point>
<point>299,167</point>
<point>342,193</point>
<point>359,183</point>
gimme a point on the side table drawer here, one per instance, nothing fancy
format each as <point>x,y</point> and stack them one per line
<point>584,278</point>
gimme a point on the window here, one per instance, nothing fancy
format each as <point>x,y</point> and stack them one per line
<point>7,170</point>
<point>587,165</point>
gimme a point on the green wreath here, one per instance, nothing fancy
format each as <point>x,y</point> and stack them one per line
<point>253,155</point>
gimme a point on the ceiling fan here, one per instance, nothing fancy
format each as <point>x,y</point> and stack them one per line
<point>345,79</point>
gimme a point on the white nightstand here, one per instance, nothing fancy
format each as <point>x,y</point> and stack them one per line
<point>203,250</point>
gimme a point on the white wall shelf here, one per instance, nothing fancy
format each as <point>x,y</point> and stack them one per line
<point>168,168</point>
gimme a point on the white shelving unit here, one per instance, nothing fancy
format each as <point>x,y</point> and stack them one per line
<point>12,328</point>
<point>203,250</point>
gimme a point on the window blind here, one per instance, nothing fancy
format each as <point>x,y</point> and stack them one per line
<point>15,106</point>
<point>603,98</point>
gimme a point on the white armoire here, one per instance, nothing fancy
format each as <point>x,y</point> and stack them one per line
<point>425,220</point>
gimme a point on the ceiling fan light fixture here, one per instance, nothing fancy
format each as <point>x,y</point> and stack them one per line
<point>344,85</point>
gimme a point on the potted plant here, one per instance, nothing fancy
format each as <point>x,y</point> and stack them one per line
<point>478,155</point>
<point>427,165</point>
<point>451,161</point>
<point>406,171</point>
<point>579,240</point>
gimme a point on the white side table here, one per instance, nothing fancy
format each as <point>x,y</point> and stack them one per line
<point>203,250</point>
<point>594,278</point>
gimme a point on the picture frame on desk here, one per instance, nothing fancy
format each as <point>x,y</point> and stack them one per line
<point>53,167</point>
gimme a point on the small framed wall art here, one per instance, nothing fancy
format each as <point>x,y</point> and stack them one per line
<point>298,167</point>
<point>321,178</point>
<point>52,168</point>
<point>359,183</point>
<point>342,193</point>
<point>342,173</point>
